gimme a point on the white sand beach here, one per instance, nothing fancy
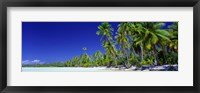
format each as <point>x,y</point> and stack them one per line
<point>99,69</point>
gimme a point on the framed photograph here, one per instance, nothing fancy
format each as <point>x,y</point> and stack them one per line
<point>99,46</point>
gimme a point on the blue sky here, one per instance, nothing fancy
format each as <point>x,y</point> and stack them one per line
<point>60,41</point>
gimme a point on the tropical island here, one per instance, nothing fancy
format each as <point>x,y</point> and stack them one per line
<point>135,46</point>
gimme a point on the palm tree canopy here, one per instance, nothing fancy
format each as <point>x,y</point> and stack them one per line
<point>154,34</point>
<point>105,30</point>
<point>84,48</point>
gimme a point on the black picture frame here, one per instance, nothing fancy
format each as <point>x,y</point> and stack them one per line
<point>100,3</point>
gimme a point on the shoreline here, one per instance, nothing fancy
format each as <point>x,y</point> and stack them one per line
<point>102,68</point>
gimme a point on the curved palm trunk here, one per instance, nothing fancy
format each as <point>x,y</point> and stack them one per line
<point>128,63</point>
<point>115,62</point>
<point>155,56</point>
<point>164,54</point>
<point>133,50</point>
<point>124,54</point>
<point>109,64</point>
<point>142,52</point>
<point>114,58</point>
<point>125,65</point>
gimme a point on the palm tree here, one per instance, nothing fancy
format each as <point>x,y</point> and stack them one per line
<point>84,48</point>
<point>85,58</point>
<point>137,38</point>
<point>75,61</point>
<point>111,51</point>
<point>105,30</point>
<point>174,36</point>
<point>153,35</point>
<point>98,58</point>
<point>122,40</point>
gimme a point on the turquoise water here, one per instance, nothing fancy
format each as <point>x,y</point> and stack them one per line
<point>64,69</point>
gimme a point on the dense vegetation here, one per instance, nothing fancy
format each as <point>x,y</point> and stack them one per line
<point>135,44</point>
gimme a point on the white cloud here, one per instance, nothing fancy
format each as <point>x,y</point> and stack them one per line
<point>26,62</point>
<point>36,61</point>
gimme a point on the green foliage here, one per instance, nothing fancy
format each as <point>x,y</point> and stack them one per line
<point>172,58</point>
<point>147,62</point>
